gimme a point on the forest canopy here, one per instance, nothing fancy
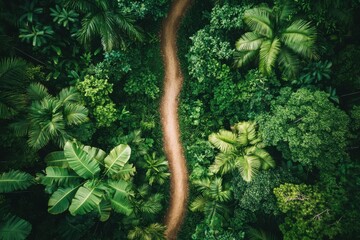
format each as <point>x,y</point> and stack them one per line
<point>269,119</point>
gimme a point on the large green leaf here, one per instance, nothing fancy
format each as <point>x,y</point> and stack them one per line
<point>225,140</point>
<point>248,166</point>
<point>80,161</point>
<point>87,198</point>
<point>224,163</point>
<point>57,159</point>
<point>117,158</point>
<point>96,153</point>
<point>104,209</point>
<point>59,176</point>
<point>14,228</point>
<point>15,180</point>
<point>121,204</point>
<point>60,200</point>
<point>258,19</point>
<point>120,186</point>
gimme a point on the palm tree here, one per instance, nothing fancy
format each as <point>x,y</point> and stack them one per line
<point>104,18</point>
<point>240,149</point>
<point>212,201</point>
<point>48,117</point>
<point>275,40</point>
<point>157,170</point>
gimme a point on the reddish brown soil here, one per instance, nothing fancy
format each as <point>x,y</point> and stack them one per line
<point>169,118</point>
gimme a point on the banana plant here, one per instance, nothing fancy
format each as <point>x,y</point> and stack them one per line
<point>240,149</point>
<point>83,179</point>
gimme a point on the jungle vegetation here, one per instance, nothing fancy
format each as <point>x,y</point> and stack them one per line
<point>269,113</point>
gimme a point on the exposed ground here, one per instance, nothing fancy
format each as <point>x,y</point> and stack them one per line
<point>173,80</point>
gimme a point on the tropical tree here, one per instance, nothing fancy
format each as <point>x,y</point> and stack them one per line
<point>240,149</point>
<point>105,19</point>
<point>212,200</point>
<point>275,40</point>
<point>84,179</point>
<point>156,169</point>
<point>48,117</point>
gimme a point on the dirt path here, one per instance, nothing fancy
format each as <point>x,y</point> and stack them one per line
<point>169,119</point>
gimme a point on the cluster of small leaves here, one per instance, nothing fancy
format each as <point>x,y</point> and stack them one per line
<point>144,8</point>
<point>306,127</point>
<point>205,56</point>
<point>115,66</point>
<point>144,83</point>
<point>227,17</point>
<point>308,215</point>
<point>257,195</point>
<point>255,93</point>
<point>96,93</point>
<point>204,232</point>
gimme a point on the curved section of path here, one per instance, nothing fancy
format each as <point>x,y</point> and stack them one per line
<point>169,119</point>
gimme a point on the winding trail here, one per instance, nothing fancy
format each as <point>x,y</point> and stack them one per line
<point>173,80</point>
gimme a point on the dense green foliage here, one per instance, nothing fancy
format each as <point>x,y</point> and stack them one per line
<point>269,113</point>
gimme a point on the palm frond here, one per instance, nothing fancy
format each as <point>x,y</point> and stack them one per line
<point>13,228</point>
<point>216,191</point>
<point>37,92</point>
<point>15,180</point>
<point>269,52</point>
<point>152,205</point>
<point>289,63</point>
<point>258,19</point>
<point>224,140</point>
<point>223,163</point>
<point>300,37</point>
<point>250,41</point>
<point>248,166</point>
<point>12,72</point>
<point>246,133</point>
<point>69,95</point>
<point>198,204</point>
<point>154,231</point>
<point>75,114</point>
<point>244,57</point>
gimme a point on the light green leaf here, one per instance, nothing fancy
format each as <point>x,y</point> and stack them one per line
<point>117,158</point>
<point>80,161</point>
<point>60,199</point>
<point>87,198</point>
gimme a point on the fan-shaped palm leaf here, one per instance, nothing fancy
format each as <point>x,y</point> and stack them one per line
<point>117,159</point>
<point>87,198</point>
<point>258,19</point>
<point>60,199</point>
<point>14,228</point>
<point>75,114</point>
<point>69,95</point>
<point>198,204</point>
<point>223,164</point>
<point>224,140</point>
<point>248,166</point>
<point>15,180</point>
<point>80,161</point>
<point>289,63</point>
<point>246,133</point>
<point>37,92</point>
